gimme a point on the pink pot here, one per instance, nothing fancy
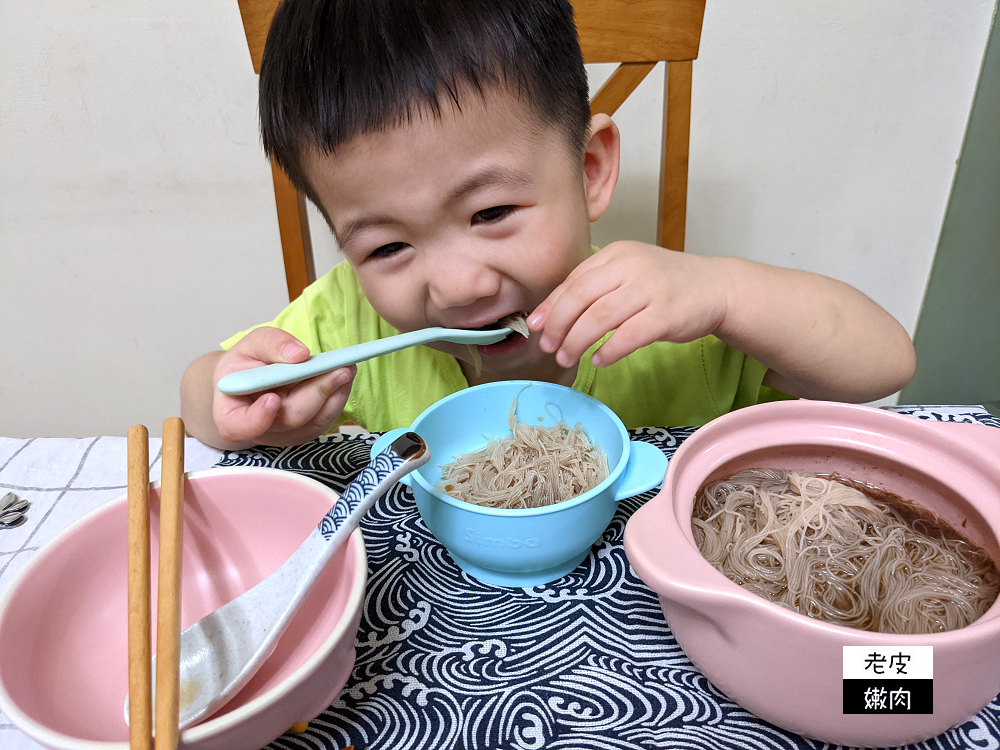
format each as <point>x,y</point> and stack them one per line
<point>785,667</point>
<point>63,621</point>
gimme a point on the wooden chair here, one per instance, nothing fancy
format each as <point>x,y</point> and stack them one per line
<point>635,33</point>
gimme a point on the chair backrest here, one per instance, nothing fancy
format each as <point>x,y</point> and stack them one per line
<point>636,33</point>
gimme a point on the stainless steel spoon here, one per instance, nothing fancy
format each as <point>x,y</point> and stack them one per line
<point>12,511</point>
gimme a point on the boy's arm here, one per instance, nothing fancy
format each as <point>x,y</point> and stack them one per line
<point>819,338</point>
<point>290,415</point>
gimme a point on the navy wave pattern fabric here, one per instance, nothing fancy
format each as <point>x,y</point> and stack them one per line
<point>360,487</point>
<point>445,662</point>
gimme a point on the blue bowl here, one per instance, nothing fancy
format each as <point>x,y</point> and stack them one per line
<point>524,547</point>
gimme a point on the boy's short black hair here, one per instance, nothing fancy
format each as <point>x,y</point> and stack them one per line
<point>336,69</point>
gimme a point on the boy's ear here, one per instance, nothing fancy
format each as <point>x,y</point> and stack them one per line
<point>600,164</point>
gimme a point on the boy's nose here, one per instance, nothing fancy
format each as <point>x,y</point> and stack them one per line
<point>461,282</point>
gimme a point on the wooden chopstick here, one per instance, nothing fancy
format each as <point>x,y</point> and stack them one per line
<point>139,646</point>
<point>168,607</point>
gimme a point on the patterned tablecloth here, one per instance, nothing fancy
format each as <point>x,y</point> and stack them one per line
<point>444,661</point>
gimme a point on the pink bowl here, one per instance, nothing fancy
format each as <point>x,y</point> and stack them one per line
<point>63,621</point>
<point>788,668</point>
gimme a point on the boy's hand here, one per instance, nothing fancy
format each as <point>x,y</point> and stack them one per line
<point>290,415</point>
<point>818,337</point>
<point>642,292</point>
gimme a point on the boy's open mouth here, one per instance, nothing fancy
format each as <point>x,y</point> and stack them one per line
<point>515,321</point>
<point>510,342</point>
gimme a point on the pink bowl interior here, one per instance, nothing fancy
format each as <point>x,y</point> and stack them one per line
<point>63,633</point>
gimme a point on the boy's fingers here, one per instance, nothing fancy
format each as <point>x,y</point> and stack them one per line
<point>606,314</point>
<point>539,317</point>
<point>587,300</point>
<point>268,344</point>
<point>573,303</point>
<point>244,421</point>
<point>305,401</point>
<point>633,334</point>
<point>536,321</point>
<point>334,406</point>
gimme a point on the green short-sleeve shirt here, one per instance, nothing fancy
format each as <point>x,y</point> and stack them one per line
<point>663,384</point>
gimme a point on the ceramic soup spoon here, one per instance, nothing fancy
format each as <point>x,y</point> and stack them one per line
<point>271,376</point>
<point>222,651</point>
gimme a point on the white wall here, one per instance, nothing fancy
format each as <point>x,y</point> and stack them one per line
<point>137,224</point>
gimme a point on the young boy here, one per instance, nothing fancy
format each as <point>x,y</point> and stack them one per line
<point>450,147</point>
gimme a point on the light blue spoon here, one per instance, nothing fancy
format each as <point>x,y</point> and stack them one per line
<point>271,376</point>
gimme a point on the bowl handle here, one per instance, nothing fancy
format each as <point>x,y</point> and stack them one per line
<point>383,442</point>
<point>645,470</point>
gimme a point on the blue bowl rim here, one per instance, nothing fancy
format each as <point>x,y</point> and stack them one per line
<point>613,473</point>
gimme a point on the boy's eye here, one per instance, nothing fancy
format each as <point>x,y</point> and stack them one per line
<point>492,214</point>
<point>386,250</point>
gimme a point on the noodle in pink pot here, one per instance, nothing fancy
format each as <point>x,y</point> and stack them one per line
<point>788,640</point>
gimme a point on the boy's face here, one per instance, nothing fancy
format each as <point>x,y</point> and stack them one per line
<point>459,220</point>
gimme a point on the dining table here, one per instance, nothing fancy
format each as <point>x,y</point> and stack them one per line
<point>444,661</point>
